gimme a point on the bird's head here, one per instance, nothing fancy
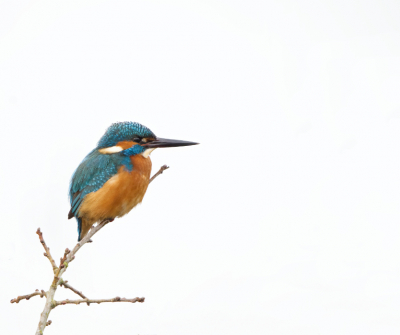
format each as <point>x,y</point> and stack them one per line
<point>122,136</point>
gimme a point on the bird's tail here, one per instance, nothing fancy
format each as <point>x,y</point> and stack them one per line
<point>79,228</point>
<point>83,228</point>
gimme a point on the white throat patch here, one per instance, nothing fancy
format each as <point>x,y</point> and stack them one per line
<point>147,152</point>
<point>111,150</point>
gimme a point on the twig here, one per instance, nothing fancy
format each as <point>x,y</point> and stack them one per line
<point>47,250</point>
<point>96,301</point>
<point>66,285</point>
<point>164,167</point>
<point>28,296</point>
<point>68,257</point>
<point>63,264</point>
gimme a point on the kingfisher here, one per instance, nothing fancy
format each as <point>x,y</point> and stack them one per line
<point>113,178</point>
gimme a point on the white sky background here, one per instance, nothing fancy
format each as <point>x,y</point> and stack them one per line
<point>285,220</point>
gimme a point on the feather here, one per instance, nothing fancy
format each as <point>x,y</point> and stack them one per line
<point>103,163</point>
<point>94,171</point>
<point>79,228</point>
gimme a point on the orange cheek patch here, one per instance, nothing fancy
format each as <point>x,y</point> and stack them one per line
<point>125,144</point>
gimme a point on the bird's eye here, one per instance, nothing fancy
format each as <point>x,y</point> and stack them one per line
<point>136,139</point>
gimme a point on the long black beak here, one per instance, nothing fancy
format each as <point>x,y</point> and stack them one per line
<point>166,143</point>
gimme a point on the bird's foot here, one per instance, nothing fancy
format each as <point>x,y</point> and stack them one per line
<point>105,221</point>
<point>89,241</point>
<point>108,220</point>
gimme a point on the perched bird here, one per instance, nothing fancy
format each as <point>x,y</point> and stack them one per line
<point>113,178</point>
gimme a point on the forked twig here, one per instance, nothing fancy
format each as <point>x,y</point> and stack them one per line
<point>68,257</point>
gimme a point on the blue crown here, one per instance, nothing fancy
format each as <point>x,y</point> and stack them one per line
<point>123,131</point>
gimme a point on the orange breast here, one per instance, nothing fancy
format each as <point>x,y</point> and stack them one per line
<point>119,194</point>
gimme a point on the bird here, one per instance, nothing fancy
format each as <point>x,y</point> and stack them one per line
<point>113,178</point>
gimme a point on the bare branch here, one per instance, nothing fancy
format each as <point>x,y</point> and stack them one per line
<point>47,250</point>
<point>28,296</point>
<point>63,259</point>
<point>63,265</point>
<point>96,301</point>
<point>66,285</point>
<point>164,167</point>
<point>69,256</point>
